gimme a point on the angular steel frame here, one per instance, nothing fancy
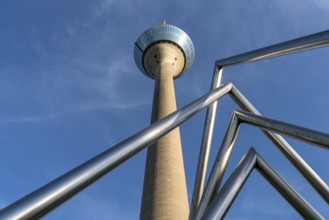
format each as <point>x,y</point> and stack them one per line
<point>225,198</point>
<point>309,42</point>
<point>268,125</point>
<point>48,197</point>
<point>309,174</point>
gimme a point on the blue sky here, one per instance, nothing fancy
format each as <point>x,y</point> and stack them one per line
<point>69,89</point>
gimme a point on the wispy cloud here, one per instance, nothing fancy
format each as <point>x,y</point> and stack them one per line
<point>82,108</point>
<point>105,8</point>
<point>105,90</point>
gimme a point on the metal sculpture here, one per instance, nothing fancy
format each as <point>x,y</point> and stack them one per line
<point>206,204</point>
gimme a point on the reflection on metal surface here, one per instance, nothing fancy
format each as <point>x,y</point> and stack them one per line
<point>201,172</point>
<point>226,196</point>
<point>298,132</point>
<point>309,42</point>
<point>227,145</point>
<point>56,192</point>
<point>313,41</point>
<point>309,174</point>
<point>48,197</point>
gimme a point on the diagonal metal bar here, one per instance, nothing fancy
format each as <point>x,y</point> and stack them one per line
<point>48,197</point>
<point>230,190</point>
<point>309,42</point>
<point>309,174</point>
<point>227,145</point>
<point>225,198</point>
<point>286,190</point>
<point>200,176</point>
<point>219,167</point>
<point>56,192</point>
<point>308,135</point>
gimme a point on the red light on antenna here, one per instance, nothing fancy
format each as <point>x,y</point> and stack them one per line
<point>163,22</point>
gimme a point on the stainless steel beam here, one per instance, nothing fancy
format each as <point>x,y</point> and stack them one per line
<point>287,191</point>
<point>48,197</point>
<point>309,42</point>
<point>227,145</point>
<point>309,174</point>
<point>202,166</point>
<point>219,167</point>
<point>224,199</point>
<point>313,41</point>
<point>308,135</point>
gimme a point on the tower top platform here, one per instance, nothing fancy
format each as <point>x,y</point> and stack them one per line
<point>163,43</point>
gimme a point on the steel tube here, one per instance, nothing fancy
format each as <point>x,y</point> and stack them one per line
<point>227,145</point>
<point>287,191</point>
<point>221,204</point>
<point>224,199</point>
<point>299,163</point>
<point>48,197</point>
<point>200,176</point>
<point>297,132</point>
<point>309,42</point>
<point>219,167</point>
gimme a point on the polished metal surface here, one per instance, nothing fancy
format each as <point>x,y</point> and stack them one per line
<point>313,41</point>
<point>226,196</point>
<point>202,166</point>
<point>309,42</point>
<point>227,145</point>
<point>48,197</point>
<point>219,167</point>
<point>287,191</point>
<point>163,33</point>
<point>309,174</point>
<point>222,202</point>
<point>308,135</point>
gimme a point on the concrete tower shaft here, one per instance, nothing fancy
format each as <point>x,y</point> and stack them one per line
<point>164,193</point>
<point>163,53</point>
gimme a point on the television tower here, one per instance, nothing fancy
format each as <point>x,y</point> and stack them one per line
<point>163,53</point>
